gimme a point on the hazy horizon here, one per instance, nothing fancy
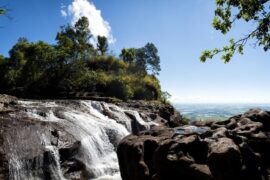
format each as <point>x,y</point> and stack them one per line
<point>198,100</point>
<point>216,111</point>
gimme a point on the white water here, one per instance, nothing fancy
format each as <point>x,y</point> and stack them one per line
<point>86,121</point>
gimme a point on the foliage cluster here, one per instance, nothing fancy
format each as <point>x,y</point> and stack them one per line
<point>256,12</point>
<point>73,64</point>
<point>2,11</point>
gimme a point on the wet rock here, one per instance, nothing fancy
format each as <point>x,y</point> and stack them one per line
<point>164,114</point>
<point>135,125</point>
<point>69,152</point>
<point>75,169</point>
<point>6,103</point>
<point>3,167</point>
<point>137,153</point>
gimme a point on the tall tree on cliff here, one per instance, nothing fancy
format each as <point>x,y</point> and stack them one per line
<point>228,12</point>
<point>102,45</point>
<point>146,59</point>
<point>73,41</point>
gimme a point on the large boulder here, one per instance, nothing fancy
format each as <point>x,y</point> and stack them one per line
<point>136,153</point>
<point>224,159</point>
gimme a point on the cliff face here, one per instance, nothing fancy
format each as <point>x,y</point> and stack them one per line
<point>238,148</point>
<point>70,139</point>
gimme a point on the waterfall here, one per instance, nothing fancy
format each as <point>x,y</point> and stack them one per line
<point>98,126</point>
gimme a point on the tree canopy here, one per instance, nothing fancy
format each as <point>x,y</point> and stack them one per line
<point>128,55</point>
<point>73,42</point>
<point>74,66</point>
<point>228,12</point>
<point>145,59</point>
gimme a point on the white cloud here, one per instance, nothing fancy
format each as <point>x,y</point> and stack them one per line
<point>63,13</point>
<point>97,25</point>
<point>63,10</point>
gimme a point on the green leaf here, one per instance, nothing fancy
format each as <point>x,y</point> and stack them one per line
<point>2,11</point>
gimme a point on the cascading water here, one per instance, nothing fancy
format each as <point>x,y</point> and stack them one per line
<point>98,127</point>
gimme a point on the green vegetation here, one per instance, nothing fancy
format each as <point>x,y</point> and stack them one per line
<point>73,65</point>
<point>2,11</point>
<point>102,45</point>
<point>185,120</point>
<point>145,59</point>
<point>256,12</point>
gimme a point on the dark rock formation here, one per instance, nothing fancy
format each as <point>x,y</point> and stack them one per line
<point>238,148</point>
<point>164,114</point>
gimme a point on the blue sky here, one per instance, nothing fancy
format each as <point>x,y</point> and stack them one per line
<point>180,29</point>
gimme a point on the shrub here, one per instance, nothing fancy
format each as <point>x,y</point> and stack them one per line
<point>152,85</point>
<point>141,93</point>
<point>107,63</point>
<point>185,120</point>
<point>93,81</point>
<point>120,88</point>
<point>102,80</point>
<point>87,81</point>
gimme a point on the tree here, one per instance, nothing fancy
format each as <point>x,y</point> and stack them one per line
<point>145,58</point>
<point>18,53</point>
<point>82,37</point>
<point>152,58</point>
<point>15,63</point>
<point>102,45</point>
<point>27,67</point>
<point>2,59</point>
<point>73,43</point>
<point>3,73</point>
<point>37,58</point>
<point>128,55</point>
<point>251,11</point>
